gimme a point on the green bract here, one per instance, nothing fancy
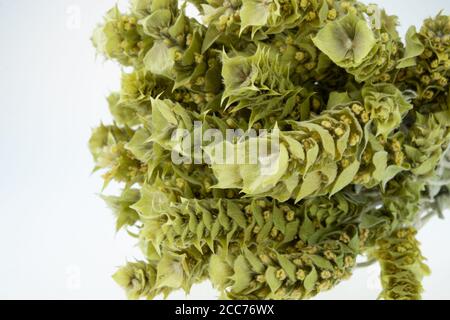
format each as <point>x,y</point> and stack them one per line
<point>270,143</point>
<point>386,106</point>
<point>347,41</point>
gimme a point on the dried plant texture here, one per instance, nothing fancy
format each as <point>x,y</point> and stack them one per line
<point>358,125</point>
<point>402,267</point>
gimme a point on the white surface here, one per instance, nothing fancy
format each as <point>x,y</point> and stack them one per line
<point>57,237</point>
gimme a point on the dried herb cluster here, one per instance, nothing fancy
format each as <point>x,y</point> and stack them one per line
<point>364,128</point>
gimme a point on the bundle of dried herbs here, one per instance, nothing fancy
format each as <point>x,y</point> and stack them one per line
<point>357,123</point>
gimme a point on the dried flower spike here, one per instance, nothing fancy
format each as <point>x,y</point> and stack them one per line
<point>269,146</point>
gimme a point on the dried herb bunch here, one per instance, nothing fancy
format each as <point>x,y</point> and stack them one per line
<point>363,128</point>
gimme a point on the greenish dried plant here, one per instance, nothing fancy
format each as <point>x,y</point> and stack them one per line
<point>362,123</point>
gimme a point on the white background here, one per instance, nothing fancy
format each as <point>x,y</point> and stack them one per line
<point>57,238</point>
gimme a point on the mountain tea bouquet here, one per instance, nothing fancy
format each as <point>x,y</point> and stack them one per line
<point>273,146</point>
